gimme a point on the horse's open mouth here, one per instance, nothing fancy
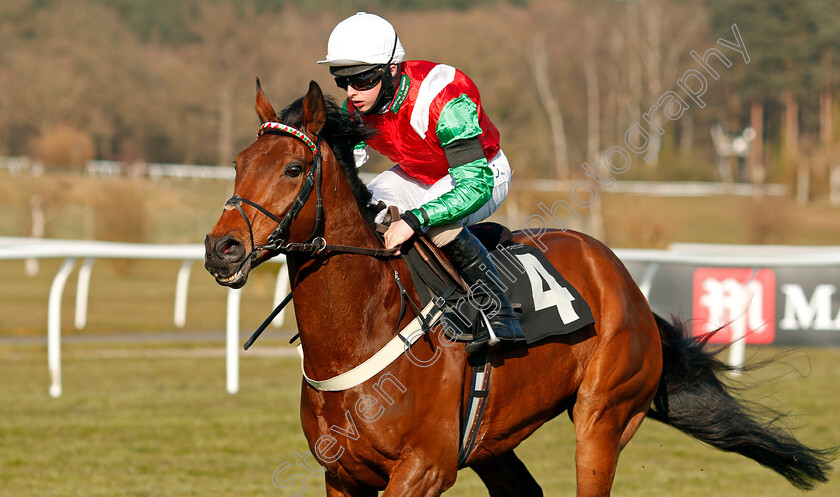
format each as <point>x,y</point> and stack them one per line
<point>236,280</point>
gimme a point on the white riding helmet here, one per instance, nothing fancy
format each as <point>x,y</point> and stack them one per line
<point>363,40</point>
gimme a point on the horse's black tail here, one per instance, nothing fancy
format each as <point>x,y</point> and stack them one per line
<point>693,399</point>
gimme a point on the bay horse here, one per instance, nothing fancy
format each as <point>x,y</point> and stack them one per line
<point>628,365</point>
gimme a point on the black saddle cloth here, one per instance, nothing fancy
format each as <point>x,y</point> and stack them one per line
<point>544,301</point>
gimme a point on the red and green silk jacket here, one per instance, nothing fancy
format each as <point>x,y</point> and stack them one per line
<point>435,106</point>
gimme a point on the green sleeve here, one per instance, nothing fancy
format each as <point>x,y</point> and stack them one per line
<point>473,188</point>
<point>473,181</point>
<point>458,121</point>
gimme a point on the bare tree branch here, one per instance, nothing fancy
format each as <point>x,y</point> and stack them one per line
<point>539,68</point>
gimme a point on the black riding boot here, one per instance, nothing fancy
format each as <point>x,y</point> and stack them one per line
<point>473,262</point>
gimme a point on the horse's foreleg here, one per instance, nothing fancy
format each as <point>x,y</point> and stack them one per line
<point>419,476</point>
<point>336,489</point>
<point>506,476</point>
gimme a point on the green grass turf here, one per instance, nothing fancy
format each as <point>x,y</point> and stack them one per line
<point>164,426</point>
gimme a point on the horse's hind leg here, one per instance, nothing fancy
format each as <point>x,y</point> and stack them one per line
<point>600,438</point>
<point>611,403</point>
<point>506,476</point>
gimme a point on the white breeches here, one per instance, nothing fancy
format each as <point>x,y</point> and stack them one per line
<point>395,187</point>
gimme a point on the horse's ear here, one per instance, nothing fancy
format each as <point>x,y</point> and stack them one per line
<point>314,113</point>
<point>264,109</point>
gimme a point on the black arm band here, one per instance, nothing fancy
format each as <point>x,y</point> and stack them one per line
<point>426,220</point>
<point>411,220</point>
<point>462,152</point>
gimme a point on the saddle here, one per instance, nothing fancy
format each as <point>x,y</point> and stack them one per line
<point>428,252</point>
<point>525,273</point>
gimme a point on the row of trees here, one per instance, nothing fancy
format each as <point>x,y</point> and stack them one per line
<point>790,97</point>
<point>174,81</point>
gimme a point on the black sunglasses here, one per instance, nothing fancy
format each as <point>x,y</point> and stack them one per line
<point>362,81</point>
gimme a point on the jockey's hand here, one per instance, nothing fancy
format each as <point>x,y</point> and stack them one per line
<point>398,232</point>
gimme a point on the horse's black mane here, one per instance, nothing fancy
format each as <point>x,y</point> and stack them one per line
<point>342,135</point>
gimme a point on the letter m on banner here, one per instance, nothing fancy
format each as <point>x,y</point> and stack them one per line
<point>740,301</point>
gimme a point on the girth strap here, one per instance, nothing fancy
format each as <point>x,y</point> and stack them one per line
<point>479,390</point>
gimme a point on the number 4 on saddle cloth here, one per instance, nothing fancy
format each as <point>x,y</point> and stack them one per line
<point>545,303</point>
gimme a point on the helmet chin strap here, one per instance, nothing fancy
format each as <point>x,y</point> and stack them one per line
<point>387,89</point>
<point>386,93</point>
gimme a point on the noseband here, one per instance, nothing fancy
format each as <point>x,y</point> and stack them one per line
<point>276,240</point>
<point>316,244</point>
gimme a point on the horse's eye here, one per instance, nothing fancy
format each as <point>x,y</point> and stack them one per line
<point>294,169</point>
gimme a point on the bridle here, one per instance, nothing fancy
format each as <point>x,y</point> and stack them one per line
<point>276,241</point>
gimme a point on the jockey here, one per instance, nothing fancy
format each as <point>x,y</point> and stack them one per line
<point>450,171</point>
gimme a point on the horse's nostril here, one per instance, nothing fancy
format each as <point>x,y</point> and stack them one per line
<point>229,248</point>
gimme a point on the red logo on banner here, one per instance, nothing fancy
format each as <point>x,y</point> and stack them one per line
<point>741,300</point>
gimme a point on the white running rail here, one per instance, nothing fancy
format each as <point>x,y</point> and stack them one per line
<point>27,248</point>
<point>88,252</point>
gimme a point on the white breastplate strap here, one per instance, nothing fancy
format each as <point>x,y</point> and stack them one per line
<point>378,361</point>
